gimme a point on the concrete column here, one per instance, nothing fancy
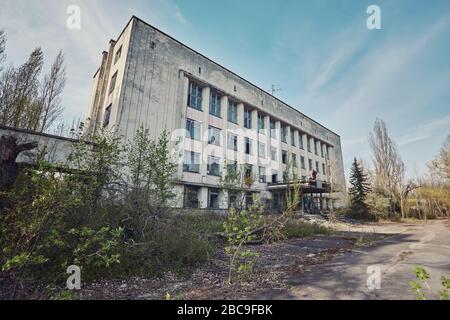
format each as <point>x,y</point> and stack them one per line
<point>254,115</point>
<point>240,107</point>
<point>223,199</point>
<point>278,146</point>
<point>268,143</point>
<point>288,142</point>
<point>182,122</point>
<point>203,197</point>
<point>297,152</point>
<point>241,153</point>
<point>205,134</point>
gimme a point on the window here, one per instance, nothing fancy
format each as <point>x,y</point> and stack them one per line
<point>323,169</point>
<point>284,157</point>
<point>300,140</point>
<point>118,54</point>
<point>112,86</point>
<point>261,150</point>
<point>294,160</point>
<point>214,104</point>
<point>247,118</point>
<point>315,148</point>
<point>328,153</point>
<point>232,167</point>
<point>248,170</point>
<point>248,200</point>
<point>310,164</point>
<point>195,96</point>
<point>232,112</point>
<point>317,167</point>
<point>273,153</point>
<point>213,166</point>
<point>232,199</point>
<point>274,177</point>
<point>248,146</point>
<point>283,133</point>
<point>262,175</point>
<point>191,197</point>
<point>261,123</point>
<point>308,143</point>
<point>107,116</point>
<point>321,150</point>
<point>191,162</point>
<point>193,129</point>
<point>232,142</point>
<point>273,131</point>
<point>213,136</point>
<point>292,138</point>
<point>213,198</point>
<point>302,161</point>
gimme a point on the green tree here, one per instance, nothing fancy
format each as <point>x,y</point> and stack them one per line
<point>360,186</point>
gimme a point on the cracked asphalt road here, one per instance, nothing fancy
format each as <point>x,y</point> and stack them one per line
<point>345,276</point>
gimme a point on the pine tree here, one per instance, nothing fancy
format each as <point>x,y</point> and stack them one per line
<point>359,185</point>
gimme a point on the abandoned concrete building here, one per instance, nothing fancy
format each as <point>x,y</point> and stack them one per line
<point>148,78</point>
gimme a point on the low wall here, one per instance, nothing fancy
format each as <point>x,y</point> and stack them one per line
<point>58,148</point>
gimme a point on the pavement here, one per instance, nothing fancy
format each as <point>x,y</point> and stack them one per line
<point>349,275</point>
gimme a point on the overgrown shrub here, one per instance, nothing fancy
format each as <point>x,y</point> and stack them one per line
<point>300,229</point>
<point>88,212</point>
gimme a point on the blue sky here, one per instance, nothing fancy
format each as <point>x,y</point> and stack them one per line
<point>328,64</point>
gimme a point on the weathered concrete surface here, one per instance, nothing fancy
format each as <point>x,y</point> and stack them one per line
<point>345,276</point>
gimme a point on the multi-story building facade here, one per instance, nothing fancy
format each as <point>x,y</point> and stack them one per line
<point>219,120</point>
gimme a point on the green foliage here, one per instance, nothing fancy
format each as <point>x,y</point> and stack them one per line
<point>176,244</point>
<point>240,229</point>
<point>359,185</point>
<point>300,229</point>
<point>422,278</point>
<point>103,210</point>
<point>54,218</point>
<point>150,182</point>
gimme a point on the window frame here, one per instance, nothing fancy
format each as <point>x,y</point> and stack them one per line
<point>197,96</point>
<point>191,134</point>
<point>216,131</point>
<point>215,108</point>
<point>194,156</point>
<point>112,85</point>
<point>107,116</point>
<point>261,124</point>
<point>261,147</point>
<point>232,110</point>
<point>249,142</point>
<point>247,118</point>
<point>215,163</point>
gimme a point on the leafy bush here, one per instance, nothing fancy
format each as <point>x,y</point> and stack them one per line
<point>84,212</point>
<point>240,227</point>
<point>422,277</point>
<point>174,244</point>
<point>300,229</point>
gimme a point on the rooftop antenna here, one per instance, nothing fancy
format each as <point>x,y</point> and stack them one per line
<point>275,89</point>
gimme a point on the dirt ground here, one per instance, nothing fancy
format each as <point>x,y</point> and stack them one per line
<point>319,267</point>
<point>276,263</point>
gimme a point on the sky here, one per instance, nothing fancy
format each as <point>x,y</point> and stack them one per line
<point>321,54</point>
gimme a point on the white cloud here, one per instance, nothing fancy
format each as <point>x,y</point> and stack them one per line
<point>425,131</point>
